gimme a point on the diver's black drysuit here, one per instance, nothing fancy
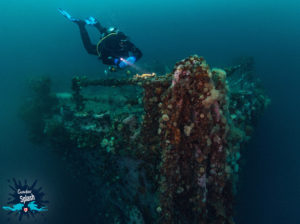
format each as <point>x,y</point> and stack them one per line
<point>113,45</point>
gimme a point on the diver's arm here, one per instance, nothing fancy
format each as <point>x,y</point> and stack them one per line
<point>135,51</point>
<point>90,48</point>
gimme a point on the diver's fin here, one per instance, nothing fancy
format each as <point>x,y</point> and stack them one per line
<point>67,15</point>
<point>91,21</point>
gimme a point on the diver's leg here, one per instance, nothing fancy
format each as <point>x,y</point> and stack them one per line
<point>94,22</point>
<point>100,28</point>
<point>90,48</point>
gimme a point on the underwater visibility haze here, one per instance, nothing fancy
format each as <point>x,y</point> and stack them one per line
<point>198,123</point>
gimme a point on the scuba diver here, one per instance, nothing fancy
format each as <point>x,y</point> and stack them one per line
<point>113,48</point>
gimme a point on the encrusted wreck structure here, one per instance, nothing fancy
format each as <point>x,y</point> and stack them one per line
<point>168,152</point>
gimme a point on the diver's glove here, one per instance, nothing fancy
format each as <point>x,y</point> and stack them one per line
<point>122,63</point>
<point>131,59</point>
<point>67,15</point>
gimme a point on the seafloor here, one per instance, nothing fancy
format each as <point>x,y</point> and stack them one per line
<point>153,148</point>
